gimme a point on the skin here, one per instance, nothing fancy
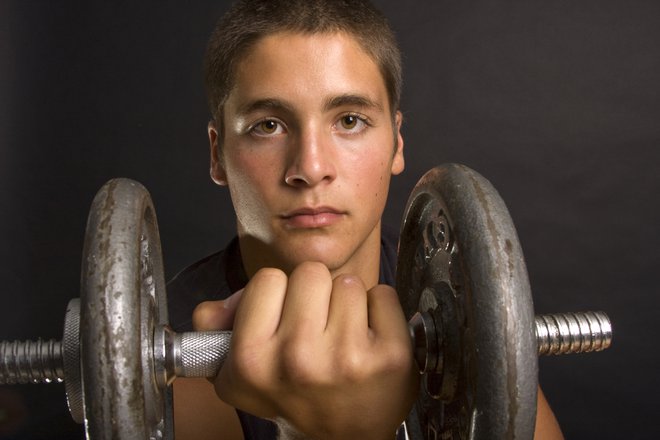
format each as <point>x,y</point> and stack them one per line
<point>313,136</point>
<point>308,151</point>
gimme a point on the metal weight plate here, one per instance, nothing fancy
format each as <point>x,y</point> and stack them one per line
<point>122,301</point>
<point>460,261</point>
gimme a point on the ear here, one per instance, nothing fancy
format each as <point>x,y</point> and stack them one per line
<point>398,163</point>
<point>218,173</point>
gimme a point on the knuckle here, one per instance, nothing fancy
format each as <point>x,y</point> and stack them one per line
<point>313,269</point>
<point>245,359</point>
<point>353,367</point>
<point>348,282</point>
<point>247,369</point>
<point>350,290</point>
<point>298,364</point>
<point>312,276</point>
<point>269,273</point>
<point>396,356</point>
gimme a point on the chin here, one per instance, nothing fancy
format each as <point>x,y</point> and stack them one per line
<point>329,255</point>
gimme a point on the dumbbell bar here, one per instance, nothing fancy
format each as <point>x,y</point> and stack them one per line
<point>201,354</point>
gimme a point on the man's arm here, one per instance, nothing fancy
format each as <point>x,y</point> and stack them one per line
<point>547,427</point>
<point>200,415</point>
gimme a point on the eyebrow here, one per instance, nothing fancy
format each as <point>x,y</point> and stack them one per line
<point>351,100</point>
<point>264,104</point>
<point>329,104</point>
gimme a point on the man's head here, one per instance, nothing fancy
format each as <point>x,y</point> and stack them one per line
<point>305,136</point>
<point>250,20</point>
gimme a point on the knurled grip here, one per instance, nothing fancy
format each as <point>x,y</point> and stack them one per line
<point>564,333</point>
<point>71,360</point>
<point>200,354</point>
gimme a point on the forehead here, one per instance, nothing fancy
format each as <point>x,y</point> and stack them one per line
<point>308,67</point>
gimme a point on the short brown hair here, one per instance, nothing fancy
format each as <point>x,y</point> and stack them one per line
<point>250,20</point>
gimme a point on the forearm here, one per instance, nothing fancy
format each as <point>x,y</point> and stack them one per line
<point>547,427</point>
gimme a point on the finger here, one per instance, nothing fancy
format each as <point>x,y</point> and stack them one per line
<point>260,309</point>
<point>386,317</point>
<point>216,315</point>
<point>305,309</point>
<point>392,338</point>
<point>348,313</point>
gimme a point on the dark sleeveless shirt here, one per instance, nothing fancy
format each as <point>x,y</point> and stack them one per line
<point>218,276</point>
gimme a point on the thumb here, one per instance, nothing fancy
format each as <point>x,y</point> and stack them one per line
<point>216,315</point>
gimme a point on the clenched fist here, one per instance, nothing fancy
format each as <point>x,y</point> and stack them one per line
<point>323,356</point>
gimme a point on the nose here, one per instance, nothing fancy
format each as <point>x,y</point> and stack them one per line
<point>311,160</point>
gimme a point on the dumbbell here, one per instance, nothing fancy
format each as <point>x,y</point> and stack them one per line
<point>461,280</point>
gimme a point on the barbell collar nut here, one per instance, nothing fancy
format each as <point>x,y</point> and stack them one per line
<point>164,358</point>
<point>71,360</point>
<point>425,336</point>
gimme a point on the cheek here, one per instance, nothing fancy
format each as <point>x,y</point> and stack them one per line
<point>247,179</point>
<point>372,178</point>
<point>246,167</point>
<point>383,185</point>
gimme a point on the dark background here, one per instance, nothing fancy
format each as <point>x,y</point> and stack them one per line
<point>557,103</point>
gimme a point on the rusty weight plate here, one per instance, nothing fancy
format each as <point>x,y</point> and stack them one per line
<point>122,301</point>
<point>460,260</point>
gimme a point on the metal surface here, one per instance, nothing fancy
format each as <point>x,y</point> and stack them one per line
<point>122,301</point>
<point>460,262</point>
<point>567,333</point>
<point>30,362</point>
<point>189,354</point>
<point>201,354</point>
<point>71,360</point>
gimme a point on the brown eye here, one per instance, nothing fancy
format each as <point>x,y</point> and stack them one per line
<point>268,126</point>
<point>349,122</point>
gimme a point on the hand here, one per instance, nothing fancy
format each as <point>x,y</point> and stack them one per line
<point>216,315</point>
<point>326,357</point>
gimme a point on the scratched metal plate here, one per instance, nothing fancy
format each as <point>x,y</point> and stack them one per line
<point>460,258</point>
<point>122,300</point>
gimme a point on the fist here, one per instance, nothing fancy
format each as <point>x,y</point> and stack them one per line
<point>323,356</point>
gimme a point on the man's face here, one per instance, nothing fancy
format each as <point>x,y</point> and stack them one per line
<point>309,147</point>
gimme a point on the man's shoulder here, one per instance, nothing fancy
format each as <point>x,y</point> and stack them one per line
<point>197,274</point>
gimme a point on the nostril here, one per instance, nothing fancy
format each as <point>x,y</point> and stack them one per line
<point>296,179</point>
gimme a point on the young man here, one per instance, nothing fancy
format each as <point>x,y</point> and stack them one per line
<point>306,136</point>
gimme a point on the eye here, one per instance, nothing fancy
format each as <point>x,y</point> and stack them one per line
<point>349,121</point>
<point>267,127</point>
<point>352,123</point>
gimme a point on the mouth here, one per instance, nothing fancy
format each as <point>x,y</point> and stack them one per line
<point>310,218</point>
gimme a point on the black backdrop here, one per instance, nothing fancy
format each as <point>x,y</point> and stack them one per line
<point>557,103</point>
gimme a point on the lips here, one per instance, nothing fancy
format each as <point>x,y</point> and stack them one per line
<point>309,218</point>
